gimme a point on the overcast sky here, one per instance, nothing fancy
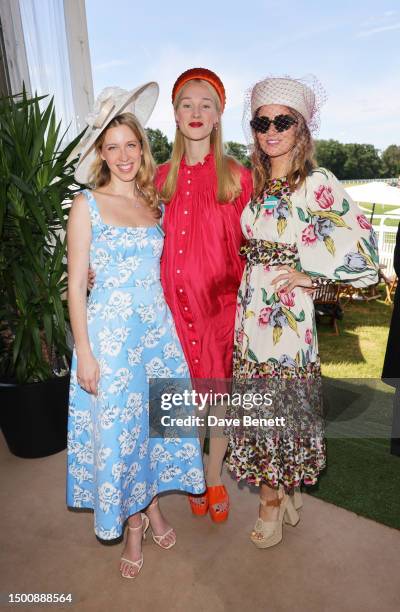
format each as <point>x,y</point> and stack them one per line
<point>352,47</point>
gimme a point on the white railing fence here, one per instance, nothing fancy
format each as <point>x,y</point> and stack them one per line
<point>386,242</point>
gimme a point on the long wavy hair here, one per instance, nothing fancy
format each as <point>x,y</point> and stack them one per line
<point>100,173</point>
<point>302,158</point>
<point>227,168</point>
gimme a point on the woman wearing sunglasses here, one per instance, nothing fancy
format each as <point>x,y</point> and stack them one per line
<point>205,192</point>
<point>303,232</point>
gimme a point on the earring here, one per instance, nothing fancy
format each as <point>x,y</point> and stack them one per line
<point>216,127</point>
<point>177,125</point>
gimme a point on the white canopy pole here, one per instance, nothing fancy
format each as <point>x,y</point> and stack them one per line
<point>79,58</point>
<point>17,64</point>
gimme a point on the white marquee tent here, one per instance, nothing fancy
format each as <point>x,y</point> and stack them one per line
<point>375,193</point>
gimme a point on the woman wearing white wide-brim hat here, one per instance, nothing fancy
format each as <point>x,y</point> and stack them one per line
<point>123,336</point>
<point>303,233</point>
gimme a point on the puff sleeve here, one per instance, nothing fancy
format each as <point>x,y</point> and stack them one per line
<point>334,238</point>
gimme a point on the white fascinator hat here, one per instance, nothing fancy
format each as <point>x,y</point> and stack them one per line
<point>306,95</point>
<point>112,101</point>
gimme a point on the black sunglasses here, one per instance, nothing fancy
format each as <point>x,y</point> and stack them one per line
<point>281,123</point>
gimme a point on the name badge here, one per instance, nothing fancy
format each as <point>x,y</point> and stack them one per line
<point>270,202</point>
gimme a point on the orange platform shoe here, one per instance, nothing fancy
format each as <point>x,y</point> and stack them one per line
<point>218,500</point>
<point>199,504</point>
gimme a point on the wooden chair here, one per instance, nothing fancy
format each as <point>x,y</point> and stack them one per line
<point>327,304</point>
<point>390,284</point>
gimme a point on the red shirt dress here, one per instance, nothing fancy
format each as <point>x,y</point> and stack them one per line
<point>201,268</point>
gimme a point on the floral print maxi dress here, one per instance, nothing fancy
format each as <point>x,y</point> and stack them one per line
<point>318,230</point>
<point>114,467</point>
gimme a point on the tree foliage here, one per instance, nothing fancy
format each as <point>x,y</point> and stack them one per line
<point>391,161</point>
<point>331,154</point>
<point>160,146</point>
<point>239,152</point>
<point>357,161</point>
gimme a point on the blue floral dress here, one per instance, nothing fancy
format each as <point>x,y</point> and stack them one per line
<point>114,467</point>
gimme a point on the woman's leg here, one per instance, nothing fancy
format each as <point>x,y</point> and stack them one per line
<point>166,536</point>
<point>218,444</point>
<point>268,494</point>
<point>133,547</point>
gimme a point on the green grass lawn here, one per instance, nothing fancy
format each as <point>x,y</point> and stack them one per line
<point>380,209</point>
<point>359,350</point>
<point>362,475</point>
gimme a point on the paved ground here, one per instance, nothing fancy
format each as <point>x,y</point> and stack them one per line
<point>333,561</point>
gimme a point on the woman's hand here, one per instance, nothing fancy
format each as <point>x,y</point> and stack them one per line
<point>291,279</point>
<point>88,373</point>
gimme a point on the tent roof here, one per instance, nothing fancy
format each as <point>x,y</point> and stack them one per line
<point>375,193</point>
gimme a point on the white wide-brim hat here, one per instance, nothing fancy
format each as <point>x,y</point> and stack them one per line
<point>112,101</point>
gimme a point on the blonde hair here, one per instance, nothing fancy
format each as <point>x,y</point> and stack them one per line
<point>226,167</point>
<point>302,158</point>
<point>100,174</point>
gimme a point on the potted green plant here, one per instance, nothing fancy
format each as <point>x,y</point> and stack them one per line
<point>36,182</point>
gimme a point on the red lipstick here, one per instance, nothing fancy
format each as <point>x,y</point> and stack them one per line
<point>195,124</point>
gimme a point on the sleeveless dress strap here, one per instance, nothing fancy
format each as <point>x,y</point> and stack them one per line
<point>95,217</point>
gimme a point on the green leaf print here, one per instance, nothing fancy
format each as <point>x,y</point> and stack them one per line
<point>276,334</point>
<point>272,300</point>
<point>251,355</point>
<point>300,318</point>
<point>371,250</point>
<point>346,207</point>
<point>291,319</point>
<point>362,251</point>
<point>345,269</point>
<point>281,225</point>
<point>302,216</point>
<point>328,214</point>
<point>330,245</point>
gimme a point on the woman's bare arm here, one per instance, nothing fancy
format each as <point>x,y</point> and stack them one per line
<point>79,236</point>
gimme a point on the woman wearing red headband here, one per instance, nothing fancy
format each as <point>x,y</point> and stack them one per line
<point>205,192</point>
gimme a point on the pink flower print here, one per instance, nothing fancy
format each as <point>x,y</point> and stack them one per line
<point>287,299</point>
<point>363,222</point>
<point>267,268</point>
<point>249,230</point>
<point>324,196</point>
<point>308,235</point>
<point>308,336</point>
<point>263,318</point>
<point>267,212</point>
